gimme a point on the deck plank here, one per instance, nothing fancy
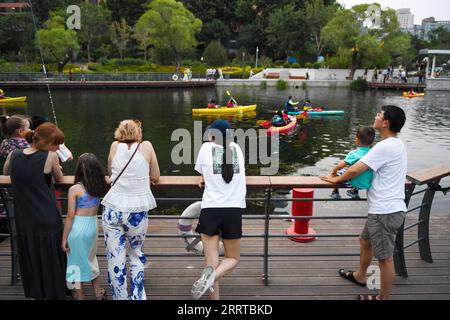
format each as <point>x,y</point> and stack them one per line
<point>308,278</point>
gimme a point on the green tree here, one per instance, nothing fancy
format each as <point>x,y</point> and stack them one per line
<point>57,43</point>
<point>218,16</point>
<point>171,26</point>
<point>440,38</point>
<point>17,34</point>
<point>367,47</point>
<point>316,15</point>
<point>120,35</point>
<point>215,54</point>
<point>130,10</point>
<point>95,31</point>
<point>282,33</point>
<point>42,9</point>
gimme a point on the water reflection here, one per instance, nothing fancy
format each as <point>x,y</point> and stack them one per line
<point>89,119</point>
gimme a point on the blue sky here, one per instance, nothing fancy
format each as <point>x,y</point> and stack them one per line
<point>440,9</point>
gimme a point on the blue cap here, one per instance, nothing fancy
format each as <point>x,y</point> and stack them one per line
<point>221,125</point>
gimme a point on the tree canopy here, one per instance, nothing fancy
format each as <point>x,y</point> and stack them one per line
<point>169,26</point>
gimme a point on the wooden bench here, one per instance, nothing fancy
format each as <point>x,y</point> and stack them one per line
<point>296,76</point>
<point>272,75</point>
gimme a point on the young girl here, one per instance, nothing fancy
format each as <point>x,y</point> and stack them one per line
<point>221,165</point>
<point>80,229</point>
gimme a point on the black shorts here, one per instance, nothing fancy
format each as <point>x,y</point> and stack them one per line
<point>226,222</point>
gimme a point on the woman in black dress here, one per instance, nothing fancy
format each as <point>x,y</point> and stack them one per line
<point>38,220</point>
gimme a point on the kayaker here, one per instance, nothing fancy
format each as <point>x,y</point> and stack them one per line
<point>285,116</point>
<point>231,103</point>
<point>277,120</point>
<point>307,104</point>
<point>212,104</point>
<point>2,96</point>
<point>289,105</point>
<point>411,92</point>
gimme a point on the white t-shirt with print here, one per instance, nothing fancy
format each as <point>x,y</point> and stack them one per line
<point>388,161</point>
<point>218,193</point>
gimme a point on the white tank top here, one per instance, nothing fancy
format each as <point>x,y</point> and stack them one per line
<point>131,193</point>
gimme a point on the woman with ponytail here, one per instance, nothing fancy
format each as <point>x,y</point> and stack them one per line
<point>38,220</point>
<point>221,165</point>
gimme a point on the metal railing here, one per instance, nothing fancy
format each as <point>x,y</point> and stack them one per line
<point>110,76</point>
<point>267,216</point>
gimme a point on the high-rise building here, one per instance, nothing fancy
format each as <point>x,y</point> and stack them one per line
<point>406,19</point>
<point>429,24</point>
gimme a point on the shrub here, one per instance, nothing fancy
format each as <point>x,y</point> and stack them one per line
<point>286,65</point>
<point>215,54</point>
<point>282,85</point>
<point>263,85</point>
<point>296,65</point>
<point>359,85</point>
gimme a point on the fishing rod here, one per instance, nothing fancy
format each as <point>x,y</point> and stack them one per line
<point>44,70</point>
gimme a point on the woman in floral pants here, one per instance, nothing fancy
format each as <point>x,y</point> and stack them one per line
<point>126,206</point>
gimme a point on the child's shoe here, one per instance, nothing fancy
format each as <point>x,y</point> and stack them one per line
<point>335,195</point>
<point>353,193</point>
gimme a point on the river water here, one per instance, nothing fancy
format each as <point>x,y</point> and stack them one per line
<point>89,118</point>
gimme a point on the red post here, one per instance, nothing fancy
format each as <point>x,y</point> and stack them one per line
<point>302,208</point>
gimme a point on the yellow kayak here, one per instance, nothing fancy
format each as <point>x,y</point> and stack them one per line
<point>406,94</point>
<point>13,100</point>
<point>224,110</point>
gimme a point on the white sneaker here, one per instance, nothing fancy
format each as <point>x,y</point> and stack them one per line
<point>205,282</point>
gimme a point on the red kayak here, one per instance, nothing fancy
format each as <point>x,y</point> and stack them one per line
<point>281,130</point>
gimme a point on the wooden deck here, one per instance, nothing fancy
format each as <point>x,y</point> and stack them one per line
<point>290,277</point>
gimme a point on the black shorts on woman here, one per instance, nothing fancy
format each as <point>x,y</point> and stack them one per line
<point>225,222</point>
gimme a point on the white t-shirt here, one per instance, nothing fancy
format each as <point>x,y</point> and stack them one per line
<point>218,193</point>
<point>388,161</point>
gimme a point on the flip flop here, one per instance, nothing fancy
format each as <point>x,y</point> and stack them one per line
<point>349,276</point>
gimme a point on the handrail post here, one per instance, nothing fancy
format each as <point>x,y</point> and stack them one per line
<point>399,251</point>
<point>423,233</point>
<point>267,194</point>
<point>8,201</point>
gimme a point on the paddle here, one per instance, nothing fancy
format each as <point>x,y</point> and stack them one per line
<point>229,94</point>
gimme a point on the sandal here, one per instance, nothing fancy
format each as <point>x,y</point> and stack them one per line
<point>102,295</point>
<point>349,276</point>
<point>368,297</point>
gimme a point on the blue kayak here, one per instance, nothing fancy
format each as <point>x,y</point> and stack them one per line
<point>319,113</point>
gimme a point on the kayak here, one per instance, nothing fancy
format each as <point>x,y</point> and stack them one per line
<point>318,112</point>
<point>281,130</point>
<point>13,100</point>
<point>224,110</point>
<point>407,95</point>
